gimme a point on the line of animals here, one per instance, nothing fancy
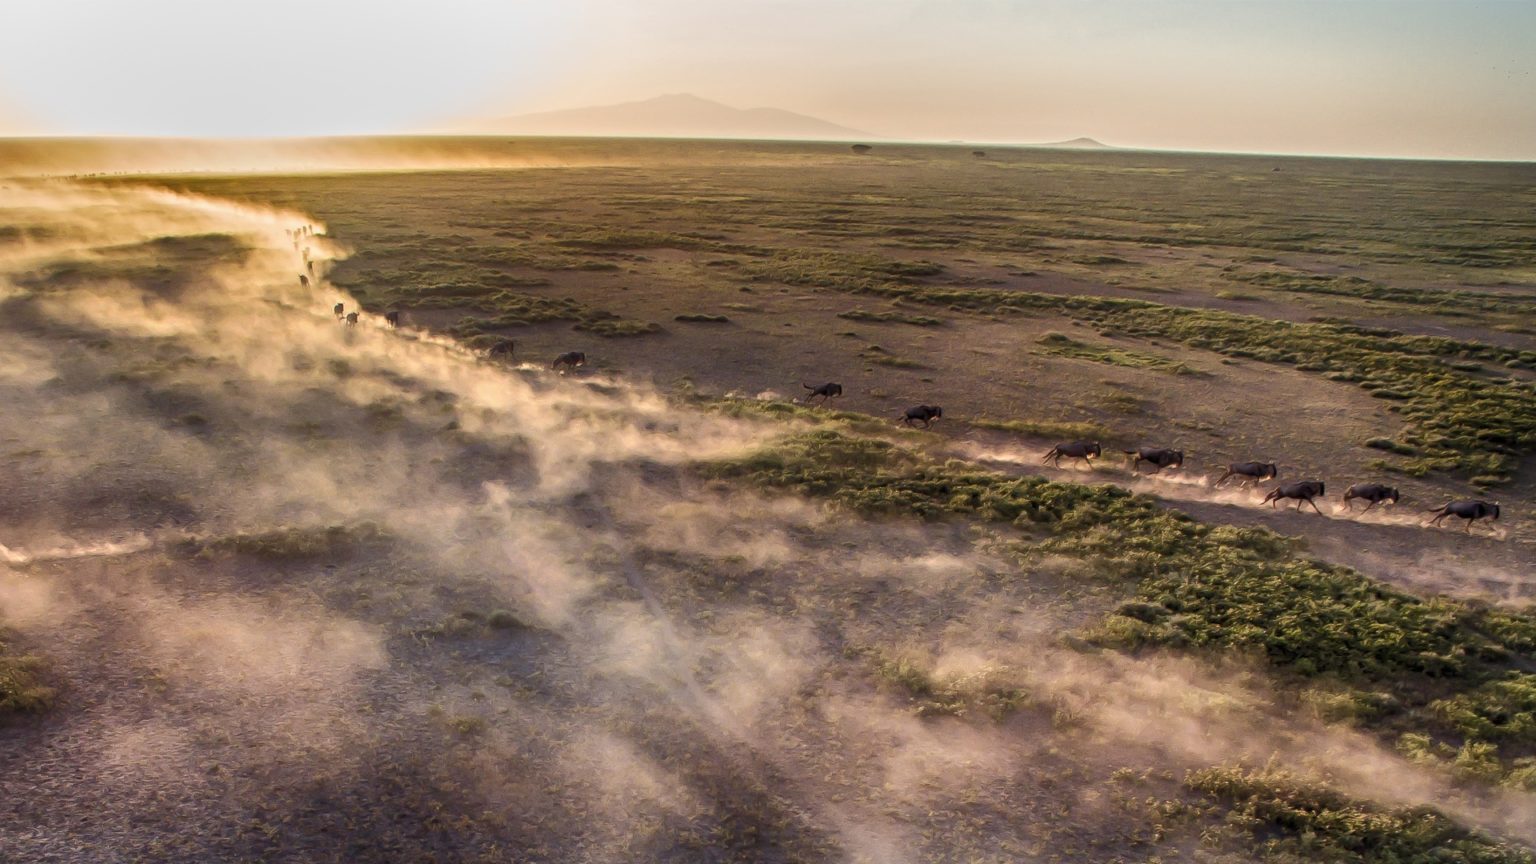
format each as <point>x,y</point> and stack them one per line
<point>505,349</point>
<point>1304,492</point>
<point>502,349</point>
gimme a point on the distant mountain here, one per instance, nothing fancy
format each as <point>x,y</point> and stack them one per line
<point>1078,144</point>
<point>676,115</point>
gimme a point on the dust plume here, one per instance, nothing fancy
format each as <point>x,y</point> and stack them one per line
<point>1180,485</point>
<point>325,578</point>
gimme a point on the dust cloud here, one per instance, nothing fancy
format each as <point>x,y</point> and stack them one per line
<point>97,157</point>
<point>344,577</point>
<point>1184,484</point>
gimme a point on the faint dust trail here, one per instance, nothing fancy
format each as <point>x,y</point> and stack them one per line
<point>283,559</point>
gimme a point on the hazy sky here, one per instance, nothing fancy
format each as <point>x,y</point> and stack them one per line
<point>1371,77</point>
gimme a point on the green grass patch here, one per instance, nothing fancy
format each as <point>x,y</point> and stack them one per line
<point>1054,430</point>
<point>841,270</point>
<point>891,317</point>
<point>1460,422</point>
<point>766,409</point>
<point>894,362</point>
<point>1061,345</point>
<point>22,690</point>
<point>1281,818</point>
<point>984,693</point>
<point>1502,710</point>
<point>1431,300</point>
<point>615,327</point>
<point>1391,446</point>
<point>472,281</point>
<point>1197,587</point>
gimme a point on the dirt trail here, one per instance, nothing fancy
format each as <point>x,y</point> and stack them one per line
<point>1393,544</point>
<point>306,582</point>
<point>327,591</point>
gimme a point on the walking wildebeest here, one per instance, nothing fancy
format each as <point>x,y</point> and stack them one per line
<point>925,413</point>
<point>1084,450</point>
<point>303,280</point>
<point>1303,491</point>
<point>502,348</point>
<point>571,359</point>
<point>351,317</point>
<point>340,310</point>
<point>310,266</point>
<point>825,391</point>
<point>1159,457</point>
<point>1470,509</point>
<point>393,317</point>
<point>1375,493</point>
<point>1254,471</point>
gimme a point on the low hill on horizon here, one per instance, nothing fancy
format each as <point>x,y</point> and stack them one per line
<point>1079,143</point>
<point>684,115</point>
<point>674,115</point>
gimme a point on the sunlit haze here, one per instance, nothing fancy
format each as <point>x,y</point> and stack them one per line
<point>1438,79</point>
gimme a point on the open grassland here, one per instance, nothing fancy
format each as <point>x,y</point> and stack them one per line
<point>1438,672</point>
<point>1143,246</point>
<point>366,593</point>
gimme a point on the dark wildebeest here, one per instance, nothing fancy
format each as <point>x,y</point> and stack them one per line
<point>502,348</point>
<point>1375,493</point>
<point>1303,491</point>
<point>925,413</point>
<point>1254,471</point>
<point>1159,457</point>
<point>1469,509</point>
<point>340,310</point>
<point>979,154</point>
<point>303,280</point>
<point>393,317</point>
<point>1084,450</point>
<point>351,317</point>
<point>571,359</point>
<point>310,266</point>
<point>861,149</point>
<point>825,391</point>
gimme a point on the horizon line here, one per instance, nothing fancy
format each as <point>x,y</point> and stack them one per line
<point>926,142</point>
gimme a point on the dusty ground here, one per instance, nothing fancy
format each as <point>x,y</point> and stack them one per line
<point>1017,221</point>
<point>533,633</point>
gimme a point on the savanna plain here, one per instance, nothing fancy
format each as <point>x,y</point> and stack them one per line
<point>277,584</point>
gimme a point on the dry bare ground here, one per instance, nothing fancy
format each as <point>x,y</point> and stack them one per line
<point>316,591</point>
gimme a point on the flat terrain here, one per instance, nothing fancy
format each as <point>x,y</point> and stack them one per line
<point>274,586</point>
<point>924,275</point>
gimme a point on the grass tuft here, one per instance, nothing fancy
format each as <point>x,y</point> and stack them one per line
<point>22,690</point>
